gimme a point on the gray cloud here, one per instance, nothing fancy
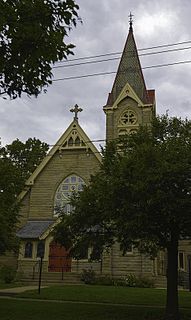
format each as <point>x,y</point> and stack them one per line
<point>104,29</point>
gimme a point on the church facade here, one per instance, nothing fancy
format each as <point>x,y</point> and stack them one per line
<point>68,166</point>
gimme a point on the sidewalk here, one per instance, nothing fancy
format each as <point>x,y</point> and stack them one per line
<point>15,290</point>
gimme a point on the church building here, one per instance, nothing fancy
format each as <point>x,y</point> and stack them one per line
<point>68,166</point>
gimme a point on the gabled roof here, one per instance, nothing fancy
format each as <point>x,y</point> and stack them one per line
<point>64,143</point>
<point>130,71</point>
<point>127,91</point>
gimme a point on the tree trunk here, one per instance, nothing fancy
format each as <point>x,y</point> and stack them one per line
<point>172,309</point>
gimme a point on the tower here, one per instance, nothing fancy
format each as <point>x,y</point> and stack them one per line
<point>129,104</point>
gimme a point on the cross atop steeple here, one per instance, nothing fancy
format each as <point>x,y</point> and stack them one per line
<point>131,21</point>
<point>76,109</point>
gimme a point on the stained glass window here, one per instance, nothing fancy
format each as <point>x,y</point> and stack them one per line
<point>63,194</point>
<point>40,249</point>
<point>28,250</point>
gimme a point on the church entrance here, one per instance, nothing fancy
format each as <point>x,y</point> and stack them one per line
<point>59,259</point>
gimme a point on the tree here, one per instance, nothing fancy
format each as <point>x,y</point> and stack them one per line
<point>141,196</point>
<point>25,156</point>
<point>9,182</point>
<point>32,39</point>
<point>17,161</point>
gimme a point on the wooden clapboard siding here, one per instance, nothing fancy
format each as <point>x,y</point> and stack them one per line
<point>115,264</point>
<point>57,169</point>
<point>79,266</point>
<point>24,209</point>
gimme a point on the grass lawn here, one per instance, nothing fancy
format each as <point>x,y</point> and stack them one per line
<point>39,310</point>
<point>121,303</point>
<point>109,294</point>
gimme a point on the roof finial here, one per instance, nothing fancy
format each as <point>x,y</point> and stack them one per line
<point>76,109</point>
<point>131,21</point>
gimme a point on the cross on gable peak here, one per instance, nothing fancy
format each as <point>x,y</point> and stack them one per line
<point>76,109</point>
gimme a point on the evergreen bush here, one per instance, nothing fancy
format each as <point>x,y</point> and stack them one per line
<point>7,274</point>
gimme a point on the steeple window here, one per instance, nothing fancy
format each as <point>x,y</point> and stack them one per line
<point>129,117</point>
<point>128,122</point>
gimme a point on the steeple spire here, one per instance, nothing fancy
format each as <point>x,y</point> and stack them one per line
<point>129,70</point>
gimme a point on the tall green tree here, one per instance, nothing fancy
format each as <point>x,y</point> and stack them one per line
<point>17,161</point>
<point>25,156</point>
<point>141,196</point>
<point>32,39</point>
<point>10,182</point>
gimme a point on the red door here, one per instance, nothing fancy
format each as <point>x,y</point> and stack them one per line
<point>59,259</point>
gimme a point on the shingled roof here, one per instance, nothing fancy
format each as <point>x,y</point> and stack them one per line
<point>130,71</point>
<point>34,229</point>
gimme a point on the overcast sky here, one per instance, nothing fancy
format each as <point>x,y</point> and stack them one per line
<point>104,30</point>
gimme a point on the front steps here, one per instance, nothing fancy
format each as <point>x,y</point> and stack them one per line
<point>53,278</point>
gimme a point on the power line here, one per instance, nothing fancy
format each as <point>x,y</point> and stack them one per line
<point>114,72</point>
<point>116,53</point>
<point>117,58</point>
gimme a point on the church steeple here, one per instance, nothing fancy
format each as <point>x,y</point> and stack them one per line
<point>129,104</point>
<point>129,70</point>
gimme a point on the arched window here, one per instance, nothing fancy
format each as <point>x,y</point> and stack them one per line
<point>40,249</point>
<point>28,250</point>
<point>63,194</point>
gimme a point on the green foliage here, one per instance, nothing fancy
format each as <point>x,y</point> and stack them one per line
<point>88,276</point>
<point>17,161</point>
<point>105,280</point>
<point>7,274</point>
<point>144,282</point>
<point>131,280</point>
<point>24,157</point>
<point>10,182</point>
<point>32,38</point>
<point>140,197</point>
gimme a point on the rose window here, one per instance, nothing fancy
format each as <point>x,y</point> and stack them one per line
<point>129,117</point>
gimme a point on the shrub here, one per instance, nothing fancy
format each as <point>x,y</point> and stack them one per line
<point>120,282</point>
<point>131,280</point>
<point>105,281</point>
<point>144,282</point>
<point>88,276</point>
<point>7,274</point>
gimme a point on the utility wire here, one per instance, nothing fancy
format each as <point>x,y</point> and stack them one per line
<point>117,58</point>
<point>114,72</point>
<point>116,53</point>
